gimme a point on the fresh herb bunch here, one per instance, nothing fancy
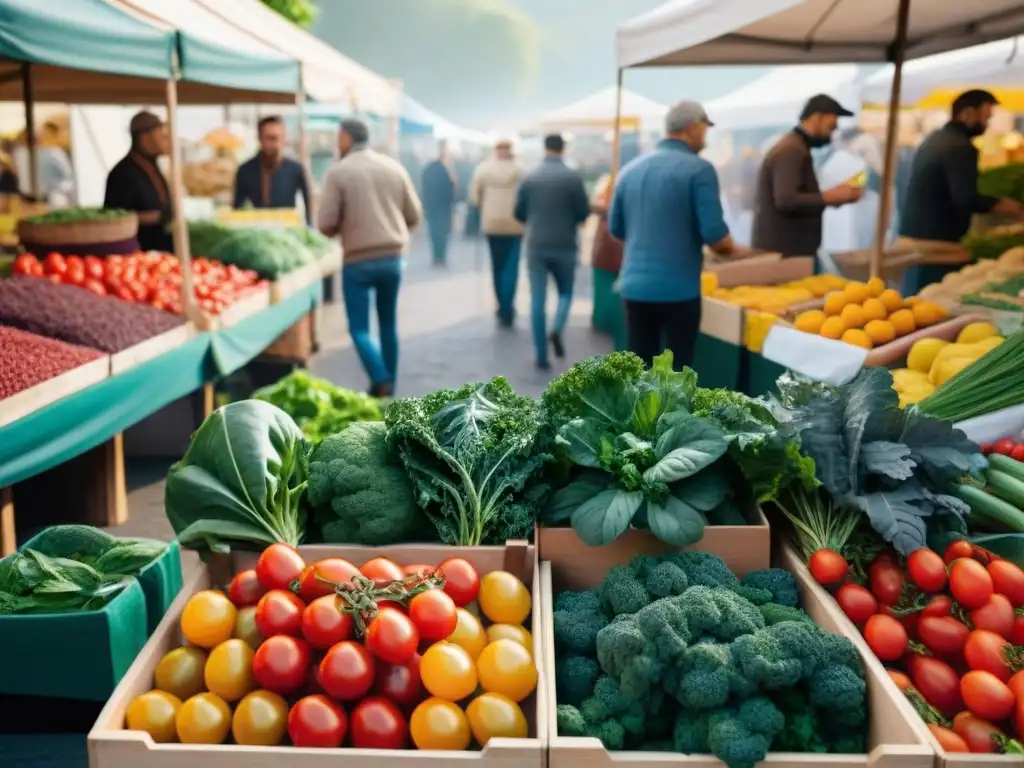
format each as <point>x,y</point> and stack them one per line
<point>319,407</point>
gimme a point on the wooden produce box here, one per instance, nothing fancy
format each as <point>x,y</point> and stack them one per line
<point>293,282</point>
<point>46,393</point>
<point>255,300</point>
<point>744,548</point>
<point>295,344</point>
<point>881,685</point>
<point>111,746</point>
<point>152,348</point>
<point>726,322</point>
<point>893,740</point>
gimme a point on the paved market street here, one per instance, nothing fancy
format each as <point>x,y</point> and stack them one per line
<point>448,337</point>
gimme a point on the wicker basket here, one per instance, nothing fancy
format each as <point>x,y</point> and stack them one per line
<point>85,232</point>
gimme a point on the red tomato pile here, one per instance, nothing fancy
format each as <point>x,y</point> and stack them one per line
<point>1004,447</point>
<point>951,630</point>
<point>293,652</point>
<point>149,278</point>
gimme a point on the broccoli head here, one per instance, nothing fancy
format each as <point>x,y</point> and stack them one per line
<point>720,613</point>
<point>742,737</point>
<point>574,678</point>
<point>570,721</point>
<point>703,568</point>
<point>706,677</point>
<point>628,588</point>
<point>360,493</point>
<point>609,702</point>
<point>690,734</point>
<point>775,614</point>
<point>780,583</point>
<point>576,619</point>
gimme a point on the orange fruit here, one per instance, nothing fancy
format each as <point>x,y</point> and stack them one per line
<point>853,316</point>
<point>857,338</point>
<point>809,321</point>
<point>880,331</point>
<point>856,293</point>
<point>928,313</point>
<point>903,321</point>
<point>834,302</point>
<point>874,309</point>
<point>833,327</point>
<point>876,286</point>
<point>891,299</point>
<point>912,301</point>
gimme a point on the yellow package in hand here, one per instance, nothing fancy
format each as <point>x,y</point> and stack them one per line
<point>756,329</point>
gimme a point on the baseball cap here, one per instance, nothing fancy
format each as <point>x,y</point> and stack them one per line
<point>683,115</point>
<point>144,122</point>
<point>823,104</point>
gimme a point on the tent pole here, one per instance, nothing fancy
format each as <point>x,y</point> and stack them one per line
<point>179,227</point>
<point>617,131</point>
<point>897,53</point>
<point>28,94</point>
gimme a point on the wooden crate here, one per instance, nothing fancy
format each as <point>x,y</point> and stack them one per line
<point>294,345</point>
<point>894,742</point>
<point>790,560</point>
<point>48,392</point>
<point>111,746</point>
<point>744,548</point>
<point>255,300</point>
<point>293,282</point>
<point>152,348</point>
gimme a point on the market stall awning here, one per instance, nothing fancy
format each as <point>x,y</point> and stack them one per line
<point>327,75</point>
<point>598,111</point>
<point>724,32</point>
<point>928,82</point>
<point>776,98</point>
<point>214,52</point>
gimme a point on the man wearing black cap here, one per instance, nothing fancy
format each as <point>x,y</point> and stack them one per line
<point>788,203</point>
<point>137,184</point>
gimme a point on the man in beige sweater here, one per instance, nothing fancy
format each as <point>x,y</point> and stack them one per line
<point>493,190</point>
<point>369,201</point>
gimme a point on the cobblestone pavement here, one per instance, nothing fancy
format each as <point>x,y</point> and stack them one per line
<point>448,337</point>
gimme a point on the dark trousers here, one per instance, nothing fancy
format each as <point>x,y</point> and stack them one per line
<point>505,272</point>
<point>654,326</point>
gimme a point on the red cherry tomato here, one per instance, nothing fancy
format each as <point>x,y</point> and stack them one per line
<point>279,566</point>
<point>54,264</point>
<point>400,682</point>
<point>986,651</point>
<point>969,583</point>
<point>347,671</point>
<point>956,550</point>
<point>949,740</point>
<point>1017,452</point>
<point>75,275</point>
<point>926,570</point>
<point>996,616</point>
<point>943,635</point>
<point>333,569</point>
<point>392,637</point>
<point>979,734</point>
<point>857,602</point>
<point>886,582</point>
<point>279,613</point>
<point>1017,635</point>
<point>461,580</point>
<point>378,724</point>
<point>94,267</point>
<point>908,620</point>
<point>316,721</point>
<point>1007,580</point>
<point>937,682</point>
<point>95,286</point>
<point>986,695</point>
<point>324,624</point>
<point>417,570</point>
<point>939,605</point>
<point>25,264</point>
<point>886,637</point>
<point>281,664</point>
<point>828,567</point>
<point>382,569</point>
<point>433,613</point>
<point>245,589</point>
<point>1003,447</point>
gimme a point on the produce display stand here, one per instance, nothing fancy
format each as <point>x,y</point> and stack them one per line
<point>111,746</point>
<point>295,281</point>
<point>150,348</point>
<point>48,392</point>
<point>893,740</point>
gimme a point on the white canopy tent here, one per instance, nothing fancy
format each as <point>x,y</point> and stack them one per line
<point>993,65</point>
<point>777,97</point>
<point>599,110</point>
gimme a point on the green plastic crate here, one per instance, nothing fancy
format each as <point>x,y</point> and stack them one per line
<point>76,655</point>
<point>717,363</point>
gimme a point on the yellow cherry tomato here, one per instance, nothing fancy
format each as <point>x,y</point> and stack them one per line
<point>245,627</point>
<point>154,712</point>
<point>492,715</point>
<point>503,598</point>
<point>439,724</point>
<point>180,672</point>
<point>513,632</point>
<point>469,633</point>
<point>203,719</point>
<point>260,719</point>
<point>507,668</point>
<point>208,619</point>
<point>447,671</point>
<point>228,671</point>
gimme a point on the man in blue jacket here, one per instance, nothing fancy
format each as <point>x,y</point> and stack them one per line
<point>271,180</point>
<point>552,203</point>
<point>665,208</point>
<point>438,192</point>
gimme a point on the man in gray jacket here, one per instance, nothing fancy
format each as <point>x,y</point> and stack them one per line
<point>552,203</point>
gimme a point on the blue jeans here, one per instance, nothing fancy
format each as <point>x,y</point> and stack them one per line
<point>439,224</point>
<point>383,277</point>
<point>505,273</point>
<point>561,265</point>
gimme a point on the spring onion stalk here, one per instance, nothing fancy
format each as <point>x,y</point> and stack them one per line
<point>817,522</point>
<point>991,384</point>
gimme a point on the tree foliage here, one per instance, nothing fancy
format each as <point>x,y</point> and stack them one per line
<point>301,12</point>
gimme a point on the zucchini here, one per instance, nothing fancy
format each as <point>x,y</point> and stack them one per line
<point>990,509</point>
<point>1006,487</point>
<point>1006,465</point>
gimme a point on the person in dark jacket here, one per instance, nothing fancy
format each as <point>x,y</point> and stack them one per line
<point>438,190</point>
<point>137,184</point>
<point>788,203</point>
<point>271,180</point>
<point>551,203</point>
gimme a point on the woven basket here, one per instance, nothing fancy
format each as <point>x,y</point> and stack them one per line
<point>79,232</point>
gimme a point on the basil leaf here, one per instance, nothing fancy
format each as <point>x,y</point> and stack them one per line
<point>606,516</point>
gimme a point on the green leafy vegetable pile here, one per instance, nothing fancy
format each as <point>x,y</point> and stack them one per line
<point>993,243</point>
<point>205,236</point>
<point>72,568</point>
<point>677,654</point>
<point>71,215</point>
<point>1004,181</point>
<point>267,252</point>
<point>309,238</point>
<point>319,407</point>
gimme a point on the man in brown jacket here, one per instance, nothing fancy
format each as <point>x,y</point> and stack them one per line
<point>788,204</point>
<point>369,201</point>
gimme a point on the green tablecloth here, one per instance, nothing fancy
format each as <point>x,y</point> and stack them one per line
<point>717,363</point>
<point>759,374</point>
